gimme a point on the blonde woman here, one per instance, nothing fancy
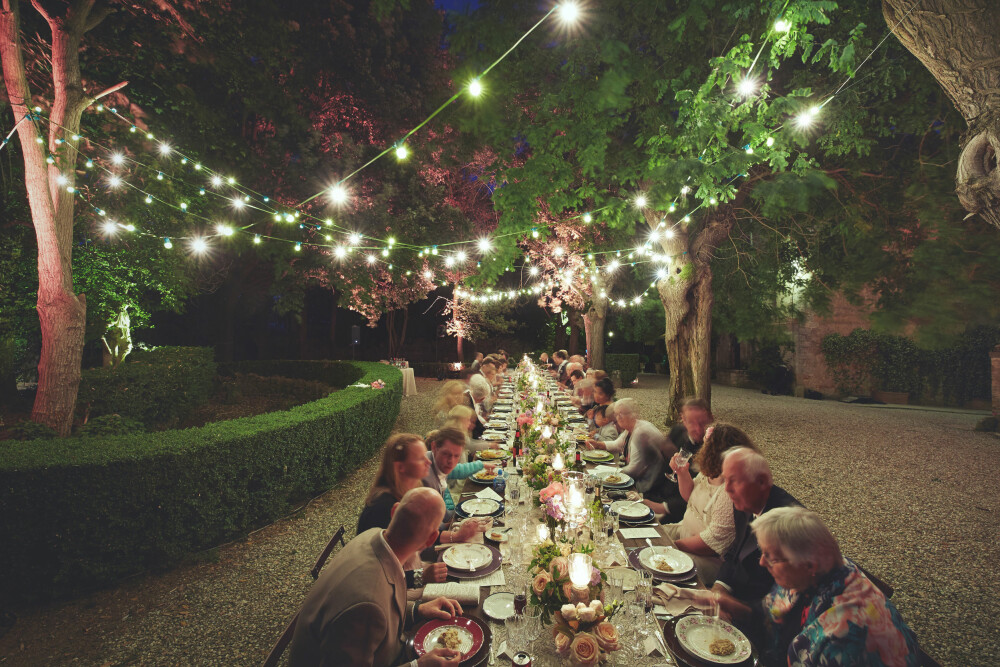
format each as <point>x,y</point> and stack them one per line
<point>452,394</point>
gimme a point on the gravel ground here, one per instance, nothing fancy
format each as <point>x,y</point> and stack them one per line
<point>871,472</point>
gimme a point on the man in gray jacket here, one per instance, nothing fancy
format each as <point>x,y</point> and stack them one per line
<point>645,448</point>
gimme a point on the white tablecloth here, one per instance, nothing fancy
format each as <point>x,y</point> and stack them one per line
<point>409,382</point>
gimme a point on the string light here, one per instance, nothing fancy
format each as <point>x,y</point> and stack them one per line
<point>460,256</point>
<point>167,244</point>
<point>238,203</point>
<point>340,252</point>
<point>782,25</point>
<point>569,13</point>
<point>475,88</point>
<point>484,245</point>
<point>114,181</point>
<point>164,149</point>
<point>198,245</point>
<point>587,218</point>
<point>747,87</point>
<point>256,238</point>
<point>806,119</point>
<point>402,152</point>
<point>216,181</point>
<point>770,141</point>
<point>339,194</point>
<point>640,201</point>
<point>117,159</point>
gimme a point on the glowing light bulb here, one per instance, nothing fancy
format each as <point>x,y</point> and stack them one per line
<point>770,141</point>
<point>641,201</point>
<point>224,230</point>
<point>613,266</point>
<point>669,233</point>
<point>199,245</point>
<point>569,12</point>
<point>238,203</point>
<point>685,189</point>
<point>167,244</point>
<point>782,25</point>
<point>428,275</point>
<point>661,273</point>
<point>256,238</point>
<point>484,245</point>
<point>110,228</point>
<point>475,88</point>
<point>114,181</point>
<point>164,149</point>
<point>806,119</point>
<point>449,262</point>
<point>340,252</point>
<point>117,158</point>
<point>460,256</point>
<point>587,217</point>
<point>654,236</point>
<point>216,181</point>
<point>371,259</point>
<point>298,247</point>
<point>533,271</point>
<point>402,152</point>
<point>354,238</point>
<point>747,87</point>
<point>558,252</point>
<point>339,194</point>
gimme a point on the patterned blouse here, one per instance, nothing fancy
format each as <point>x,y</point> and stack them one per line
<point>844,620</point>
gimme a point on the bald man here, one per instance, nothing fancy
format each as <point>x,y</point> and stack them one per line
<point>356,612</point>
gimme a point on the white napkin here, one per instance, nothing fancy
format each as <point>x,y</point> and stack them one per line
<point>502,651</point>
<point>603,468</point>
<point>652,647</point>
<point>639,533</point>
<point>489,494</point>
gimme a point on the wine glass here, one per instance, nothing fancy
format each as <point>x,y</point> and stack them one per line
<point>683,456</point>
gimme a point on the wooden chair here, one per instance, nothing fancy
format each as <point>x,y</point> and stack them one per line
<point>321,561</point>
<point>285,639</point>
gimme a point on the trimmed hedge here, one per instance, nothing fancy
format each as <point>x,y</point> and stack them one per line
<point>154,386</point>
<point>626,364</point>
<point>83,512</point>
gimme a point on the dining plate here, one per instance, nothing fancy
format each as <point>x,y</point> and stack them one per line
<point>493,436</point>
<point>614,479</point>
<point>479,506</point>
<point>469,633</point>
<point>494,454</point>
<point>499,606</point>
<point>696,634</point>
<point>597,455</point>
<point>498,535</point>
<point>666,559</point>
<point>484,477</point>
<point>466,557</point>
<point>497,425</point>
<point>629,509</point>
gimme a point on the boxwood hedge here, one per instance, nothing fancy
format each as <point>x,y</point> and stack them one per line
<point>82,512</point>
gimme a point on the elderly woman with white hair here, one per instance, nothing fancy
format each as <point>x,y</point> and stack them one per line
<point>645,448</point>
<point>475,397</point>
<point>822,609</point>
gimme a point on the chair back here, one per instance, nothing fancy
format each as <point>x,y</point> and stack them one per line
<point>321,561</point>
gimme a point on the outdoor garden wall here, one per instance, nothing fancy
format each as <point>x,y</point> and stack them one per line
<point>82,512</point>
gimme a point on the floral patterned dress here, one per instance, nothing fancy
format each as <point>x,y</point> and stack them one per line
<point>844,620</point>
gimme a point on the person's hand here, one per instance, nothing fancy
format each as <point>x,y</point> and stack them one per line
<point>676,465</point>
<point>633,495</point>
<point>466,530</point>
<point>435,573</point>
<point>489,467</point>
<point>439,657</point>
<point>596,444</point>
<point>443,608</point>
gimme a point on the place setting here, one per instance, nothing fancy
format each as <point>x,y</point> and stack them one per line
<point>479,508</point>
<point>467,634</point>
<point>470,560</point>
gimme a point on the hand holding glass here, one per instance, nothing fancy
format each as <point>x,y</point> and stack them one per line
<point>680,460</point>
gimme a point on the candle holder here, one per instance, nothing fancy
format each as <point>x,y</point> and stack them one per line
<point>579,576</point>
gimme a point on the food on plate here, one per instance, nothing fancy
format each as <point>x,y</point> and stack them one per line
<point>496,535</point>
<point>614,479</point>
<point>450,639</point>
<point>722,647</point>
<point>486,475</point>
<point>492,454</point>
<point>663,565</point>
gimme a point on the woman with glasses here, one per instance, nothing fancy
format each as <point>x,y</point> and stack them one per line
<point>822,610</point>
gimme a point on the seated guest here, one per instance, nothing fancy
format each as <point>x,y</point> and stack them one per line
<point>579,359</point>
<point>583,394</point>
<point>475,398</point>
<point>476,363</point>
<point>822,610</point>
<point>606,429</point>
<point>707,530</point>
<point>559,361</point>
<point>464,419</point>
<point>742,580</point>
<point>688,435</point>
<point>543,361</point>
<point>604,394</point>
<point>641,443</point>
<point>452,394</point>
<point>575,375</point>
<point>447,446</point>
<point>403,467</point>
<point>356,612</point>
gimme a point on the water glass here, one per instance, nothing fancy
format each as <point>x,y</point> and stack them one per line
<point>516,639</point>
<point>533,615</point>
<point>683,457</point>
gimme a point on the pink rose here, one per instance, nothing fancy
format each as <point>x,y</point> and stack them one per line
<point>607,636</point>
<point>562,644</point>
<point>567,590</point>
<point>539,583</point>
<point>584,651</point>
<point>559,568</point>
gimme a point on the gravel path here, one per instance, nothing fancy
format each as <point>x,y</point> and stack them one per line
<point>872,473</point>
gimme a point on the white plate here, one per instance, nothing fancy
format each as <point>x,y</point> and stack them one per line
<point>482,478</point>
<point>630,509</point>
<point>623,479</point>
<point>596,455</point>
<point>466,556</point>
<point>479,506</point>
<point>497,534</point>
<point>675,558</point>
<point>431,640</point>
<point>496,424</point>
<point>499,606</point>
<point>696,633</point>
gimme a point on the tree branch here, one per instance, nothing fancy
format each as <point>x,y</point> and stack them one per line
<point>104,93</point>
<point>97,15</point>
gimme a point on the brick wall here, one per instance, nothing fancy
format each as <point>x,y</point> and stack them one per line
<point>809,365</point>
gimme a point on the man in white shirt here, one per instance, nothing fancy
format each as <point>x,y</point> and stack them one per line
<point>357,610</point>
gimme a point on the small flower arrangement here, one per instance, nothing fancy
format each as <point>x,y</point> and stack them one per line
<point>378,384</point>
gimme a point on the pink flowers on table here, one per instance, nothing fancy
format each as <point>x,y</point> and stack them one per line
<point>525,419</point>
<point>378,384</point>
<point>585,651</point>
<point>551,498</point>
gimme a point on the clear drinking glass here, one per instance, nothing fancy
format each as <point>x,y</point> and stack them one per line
<point>533,615</point>
<point>684,456</point>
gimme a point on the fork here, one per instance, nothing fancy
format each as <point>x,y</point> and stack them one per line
<point>472,566</point>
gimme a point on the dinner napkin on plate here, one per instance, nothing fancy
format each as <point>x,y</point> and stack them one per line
<point>638,533</point>
<point>601,468</point>
<point>465,593</point>
<point>489,494</point>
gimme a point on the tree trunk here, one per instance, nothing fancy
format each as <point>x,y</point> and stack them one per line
<point>575,324</point>
<point>687,298</point>
<point>61,312</point>
<point>956,40</point>
<point>458,343</point>
<point>594,321</point>
<point>332,352</point>
<point>390,325</point>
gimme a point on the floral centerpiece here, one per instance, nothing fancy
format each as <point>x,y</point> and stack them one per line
<point>582,630</point>
<point>378,384</point>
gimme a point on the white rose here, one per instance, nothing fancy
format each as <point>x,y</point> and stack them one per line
<point>569,612</point>
<point>597,606</point>
<point>587,615</point>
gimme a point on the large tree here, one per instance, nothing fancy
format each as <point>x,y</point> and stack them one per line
<point>956,40</point>
<point>50,176</point>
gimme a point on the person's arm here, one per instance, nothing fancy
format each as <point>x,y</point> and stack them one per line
<point>694,545</point>
<point>720,532</point>
<point>617,445</point>
<point>685,485</point>
<point>463,470</point>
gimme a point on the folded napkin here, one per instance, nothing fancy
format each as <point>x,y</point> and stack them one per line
<point>675,600</point>
<point>465,593</point>
<point>639,533</point>
<point>651,646</point>
<point>602,468</point>
<point>490,494</point>
<point>494,579</point>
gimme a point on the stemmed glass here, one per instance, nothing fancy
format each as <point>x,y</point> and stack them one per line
<point>683,456</point>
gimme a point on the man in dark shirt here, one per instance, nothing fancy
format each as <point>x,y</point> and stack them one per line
<point>665,498</point>
<point>742,580</point>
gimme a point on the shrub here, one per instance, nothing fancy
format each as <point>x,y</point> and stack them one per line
<point>851,360</point>
<point>768,369</point>
<point>293,389</point>
<point>153,386</point>
<point>82,512</point>
<point>110,425</point>
<point>626,364</point>
<point>29,430</point>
